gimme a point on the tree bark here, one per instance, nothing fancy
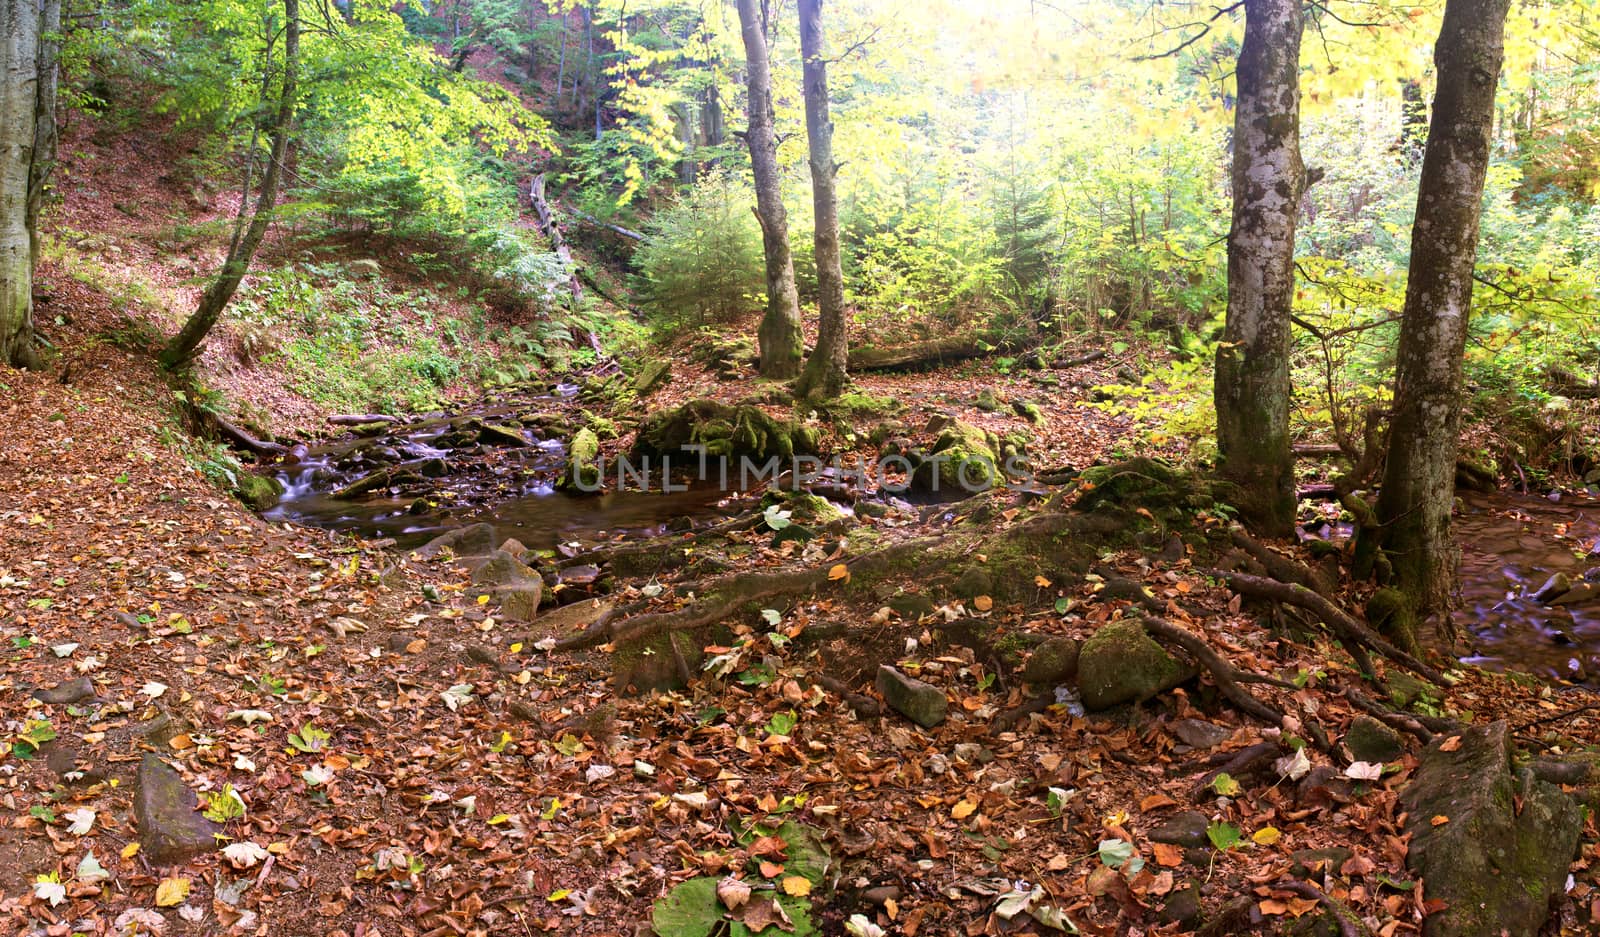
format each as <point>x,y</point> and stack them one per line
<point>825,371</point>
<point>781,336</point>
<point>23,54</point>
<point>1418,482</point>
<point>186,344</point>
<point>44,124</point>
<point>1252,374</point>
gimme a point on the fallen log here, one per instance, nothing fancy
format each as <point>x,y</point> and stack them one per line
<point>628,233</point>
<point>552,231</point>
<point>244,440</point>
<point>933,351</point>
<point>361,419</point>
<point>1076,361</point>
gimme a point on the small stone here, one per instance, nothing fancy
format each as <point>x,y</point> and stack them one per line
<point>514,547</point>
<point>1054,661</point>
<point>472,540</point>
<point>1404,689</point>
<point>1371,741</point>
<point>480,654</point>
<point>1578,594</point>
<point>171,828</point>
<point>1315,863</point>
<point>911,604</point>
<point>1174,550</point>
<point>920,702</point>
<point>1554,587</point>
<point>1182,905</point>
<point>882,894</point>
<point>1197,733</point>
<point>73,691</point>
<point>65,758</point>
<point>1186,829</point>
<point>973,753</point>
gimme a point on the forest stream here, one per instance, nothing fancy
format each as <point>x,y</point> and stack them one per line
<point>410,480</point>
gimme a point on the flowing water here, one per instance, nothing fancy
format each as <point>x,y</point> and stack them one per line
<point>1510,547</point>
<point>409,481</point>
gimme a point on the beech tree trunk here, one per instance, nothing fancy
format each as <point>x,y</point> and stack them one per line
<point>1419,475</point>
<point>781,337</point>
<point>27,148</point>
<point>186,344</point>
<point>825,371</point>
<point>1252,373</point>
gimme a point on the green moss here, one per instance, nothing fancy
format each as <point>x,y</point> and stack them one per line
<point>583,461</point>
<point>1121,664</point>
<point>964,458</point>
<point>726,431</point>
<point>1391,613</point>
<point>257,491</point>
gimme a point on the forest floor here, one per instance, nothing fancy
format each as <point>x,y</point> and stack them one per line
<point>384,753</point>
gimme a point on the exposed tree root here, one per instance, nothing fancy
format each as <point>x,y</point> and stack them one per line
<point>1349,924</point>
<point>1281,567</point>
<point>863,704</point>
<point>1240,762</point>
<point>1343,623</point>
<point>1008,719</point>
<point>1227,676</point>
<point>1404,722</point>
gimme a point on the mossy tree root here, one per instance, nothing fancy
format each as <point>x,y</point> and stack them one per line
<point>1227,676</point>
<point>1279,566</point>
<point>1343,623</point>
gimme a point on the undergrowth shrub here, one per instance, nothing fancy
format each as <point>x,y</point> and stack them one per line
<point>703,261</point>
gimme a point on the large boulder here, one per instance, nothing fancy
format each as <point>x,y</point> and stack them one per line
<point>1492,843</point>
<point>1120,663</point>
<point>964,459</point>
<point>258,492</point>
<point>725,431</point>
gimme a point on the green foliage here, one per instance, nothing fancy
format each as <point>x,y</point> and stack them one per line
<point>703,260</point>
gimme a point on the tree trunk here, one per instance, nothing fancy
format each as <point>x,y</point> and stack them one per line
<point>824,374</point>
<point>242,250</point>
<point>781,336</point>
<point>1418,481</point>
<point>27,147</point>
<point>1252,376</point>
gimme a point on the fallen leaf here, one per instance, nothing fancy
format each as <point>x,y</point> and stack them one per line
<point>797,886</point>
<point>1450,744</point>
<point>172,892</point>
<point>983,603</point>
<point>733,893</point>
<point>963,809</point>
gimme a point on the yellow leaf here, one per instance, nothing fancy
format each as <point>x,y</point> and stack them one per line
<point>1041,582</point>
<point>130,850</point>
<point>483,600</point>
<point>983,603</point>
<point>498,819</point>
<point>516,648</point>
<point>559,894</point>
<point>963,809</point>
<point>1439,820</point>
<point>1266,836</point>
<point>172,892</point>
<point>838,572</point>
<point>797,886</point>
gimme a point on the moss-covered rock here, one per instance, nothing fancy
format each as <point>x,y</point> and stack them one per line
<point>728,432</point>
<point>1371,741</point>
<point>1052,662</point>
<point>988,401</point>
<point>652,376</point>
<point>1142,483</point>
<point>1406,690</point>
<point>964,459</point>
<point>1120,663</point>
<point>583,462</point>
<point>258,492</point>
<point>861,406</point>
<point>1028,410</point>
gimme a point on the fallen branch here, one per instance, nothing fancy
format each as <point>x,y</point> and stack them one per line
<point>862,704</point>
<point>1343,623</point>
<point>1086,358</point>
<point>931,352</point>
<point>1008,719</point>
<point>628,233</point>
